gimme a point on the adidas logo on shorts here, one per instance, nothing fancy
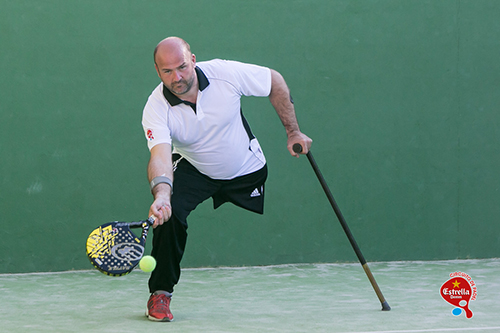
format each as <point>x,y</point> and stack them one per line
<point>255,193</point>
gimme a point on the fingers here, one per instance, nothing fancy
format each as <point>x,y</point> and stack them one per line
<point>162,211</point>
<point>166,212</point>
<point>299,144</point>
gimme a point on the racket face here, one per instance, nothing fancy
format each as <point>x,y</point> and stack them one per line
<point>114,249</point>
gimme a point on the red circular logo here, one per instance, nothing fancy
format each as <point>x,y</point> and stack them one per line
<point>149,134</point>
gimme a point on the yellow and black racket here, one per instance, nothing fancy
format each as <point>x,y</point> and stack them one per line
<point>114,249</point>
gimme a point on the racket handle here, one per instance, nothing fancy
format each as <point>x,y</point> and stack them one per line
<point>145,226</point>
<point>149,222</point>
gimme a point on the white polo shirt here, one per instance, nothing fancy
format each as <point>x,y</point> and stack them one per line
<point>215,139</point>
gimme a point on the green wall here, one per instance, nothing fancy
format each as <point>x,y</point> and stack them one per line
<point>400,97</point>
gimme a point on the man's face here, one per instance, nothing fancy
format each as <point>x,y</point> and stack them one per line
<point>176,70</point>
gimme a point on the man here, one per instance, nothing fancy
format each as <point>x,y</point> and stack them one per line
<point>194,125</point>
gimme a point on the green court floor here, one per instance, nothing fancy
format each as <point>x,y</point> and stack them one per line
<point>289,298</point>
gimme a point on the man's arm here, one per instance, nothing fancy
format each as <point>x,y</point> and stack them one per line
<point>280,99</point>
<point>160,164</point>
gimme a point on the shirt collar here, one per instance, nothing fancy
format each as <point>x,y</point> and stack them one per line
<point>174,100</point>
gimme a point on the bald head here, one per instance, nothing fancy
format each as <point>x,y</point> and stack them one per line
<point>171,45</point>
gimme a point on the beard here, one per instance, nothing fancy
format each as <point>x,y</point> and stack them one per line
<point>182,86</point>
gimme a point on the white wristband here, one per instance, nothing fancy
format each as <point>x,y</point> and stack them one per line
<point>159,180</point>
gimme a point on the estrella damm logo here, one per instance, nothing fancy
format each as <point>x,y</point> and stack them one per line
<point>459,290</point>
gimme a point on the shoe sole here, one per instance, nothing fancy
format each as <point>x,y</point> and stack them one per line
<point>166,319</point>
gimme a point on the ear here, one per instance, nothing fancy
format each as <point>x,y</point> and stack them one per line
<point>193,59</point>
<point>157,70</point>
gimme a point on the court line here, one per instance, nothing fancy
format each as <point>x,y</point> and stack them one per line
<point>451,261</point>
<point>437,330</point>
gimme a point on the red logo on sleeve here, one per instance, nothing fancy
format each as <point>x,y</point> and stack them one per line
<point>459,290</point>
<point>149,134</point>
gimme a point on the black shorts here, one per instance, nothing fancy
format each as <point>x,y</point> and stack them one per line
<point>192,188</point>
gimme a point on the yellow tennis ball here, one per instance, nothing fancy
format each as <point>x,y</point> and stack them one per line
<point>147,264</point>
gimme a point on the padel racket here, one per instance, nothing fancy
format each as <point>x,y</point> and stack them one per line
<point>114,249</point>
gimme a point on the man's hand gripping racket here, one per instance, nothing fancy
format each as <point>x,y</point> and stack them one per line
<point>114,249</point>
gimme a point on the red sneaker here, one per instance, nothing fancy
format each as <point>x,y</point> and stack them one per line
<point>159,308</point>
